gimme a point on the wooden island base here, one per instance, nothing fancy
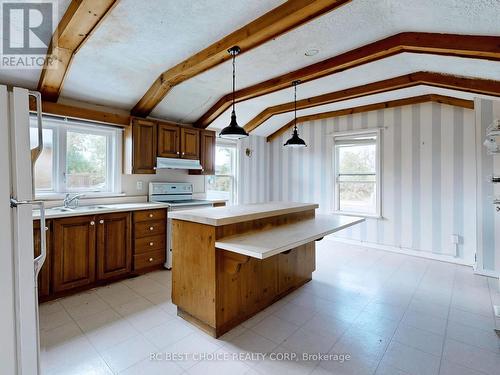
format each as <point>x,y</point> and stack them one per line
<point>230,263</point>
<point>244,286</point>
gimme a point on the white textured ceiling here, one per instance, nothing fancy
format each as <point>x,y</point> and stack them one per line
<point>276,122</point>
<point>29,77</point>
<point>141,39</point>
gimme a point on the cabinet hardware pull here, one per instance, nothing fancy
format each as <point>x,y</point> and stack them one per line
<point>183,153</point>
<point>151,228</point>
<point>92,222</point>
<point>46,228</point>
<point>150,259</point>
<point>178,152</point>
<point>101,221</point>
<point>151,244</point>
<point>150,215</point>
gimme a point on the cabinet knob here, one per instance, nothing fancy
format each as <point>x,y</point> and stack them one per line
<point>46,229</point>
<point>183,153</point>
<point>151,228</point>
<point>178,152</point>
<point>92,222</point>
<point>150,259</point>
<point>101,221</point>
<point>151,244</point>
<point>150,215</point>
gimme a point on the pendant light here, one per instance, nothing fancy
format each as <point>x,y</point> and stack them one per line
<point>295,141</point>
<point>233,130</point>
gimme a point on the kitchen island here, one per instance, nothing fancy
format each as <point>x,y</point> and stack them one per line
<point>231,262</point>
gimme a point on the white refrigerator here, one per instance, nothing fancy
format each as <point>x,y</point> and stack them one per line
<point>19,338</point>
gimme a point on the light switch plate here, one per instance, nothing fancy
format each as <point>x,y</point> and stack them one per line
<point>497,311</point>
<point>139,185</point>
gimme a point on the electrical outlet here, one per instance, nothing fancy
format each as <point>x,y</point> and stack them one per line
<point>497,311</point>
<point>139,185</point>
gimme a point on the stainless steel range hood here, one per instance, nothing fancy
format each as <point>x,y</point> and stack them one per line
<point>174,163</point>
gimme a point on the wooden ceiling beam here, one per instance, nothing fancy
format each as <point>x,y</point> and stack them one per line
<point>80,113</point>
<point>274,23</point>
<point>80,20</point>
<point>471,46</point>
<point>474,85</point>
<point>443,99</point>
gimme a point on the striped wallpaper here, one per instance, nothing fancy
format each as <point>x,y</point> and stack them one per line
<point>428,176</point>
<point>488,223</point>
<point>253,171</point>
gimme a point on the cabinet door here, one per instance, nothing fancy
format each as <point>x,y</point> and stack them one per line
<point>44,275</point>
<point>190,143</point>
<point>114,251</point>
<point>144,146</point>
<point>73,252</point>
<point>207,153</point>
<point>168,141</point>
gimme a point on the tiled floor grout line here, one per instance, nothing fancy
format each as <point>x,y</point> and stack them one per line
<point>402,317</point>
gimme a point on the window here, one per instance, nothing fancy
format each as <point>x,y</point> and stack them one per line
<point>222,184</point>
<point>356,163</point>
<point>77,157</point>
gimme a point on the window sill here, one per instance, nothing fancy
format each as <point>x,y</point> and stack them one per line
<point>89,195</point>
<point>359,214</point>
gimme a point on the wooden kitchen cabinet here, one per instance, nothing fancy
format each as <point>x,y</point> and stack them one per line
<point>190,143</point>
<point>149,233</point>
<point>140,147</point>
<point>114,250</point>
<point>74,252</point>
<point>169,140</point>
<point>44,275</point>
<point>207,153</point>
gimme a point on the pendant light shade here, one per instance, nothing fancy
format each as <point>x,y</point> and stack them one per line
<point>233,130</point>
<point>295,141</point>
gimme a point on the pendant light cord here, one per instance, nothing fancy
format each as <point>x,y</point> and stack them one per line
<point>295,110</point>
<point>234,76</point>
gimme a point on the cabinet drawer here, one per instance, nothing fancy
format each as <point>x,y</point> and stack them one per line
<point>149,215</point>
<point>149,259</point>
<point>149,228</point>
<point>149,243</point>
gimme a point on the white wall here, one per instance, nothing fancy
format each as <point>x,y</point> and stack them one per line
<point>488,220</point>
<point>129,182</point>
<point>428,176</point>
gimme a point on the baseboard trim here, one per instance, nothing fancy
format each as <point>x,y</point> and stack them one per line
<point>393,249</point>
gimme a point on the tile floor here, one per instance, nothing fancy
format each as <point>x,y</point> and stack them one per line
<point>393,314</point>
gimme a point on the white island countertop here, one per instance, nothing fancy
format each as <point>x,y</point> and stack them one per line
<point>266,243</point>
<point>217,216</point>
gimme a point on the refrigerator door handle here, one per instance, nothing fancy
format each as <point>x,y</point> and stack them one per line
<point>39,260</point>
<point>35,152</point>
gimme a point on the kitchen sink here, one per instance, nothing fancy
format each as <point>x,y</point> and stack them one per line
<point>79,209</point>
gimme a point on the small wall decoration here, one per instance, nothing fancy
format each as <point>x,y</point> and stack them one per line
<point>248,152</point>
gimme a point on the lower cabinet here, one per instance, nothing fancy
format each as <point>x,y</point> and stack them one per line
<point>114,251</point>
<point>86,251</point>
<point>74,252</point>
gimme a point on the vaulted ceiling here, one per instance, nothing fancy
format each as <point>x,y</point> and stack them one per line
<point>137,41</point>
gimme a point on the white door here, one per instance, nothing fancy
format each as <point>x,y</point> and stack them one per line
<point>19,311</point>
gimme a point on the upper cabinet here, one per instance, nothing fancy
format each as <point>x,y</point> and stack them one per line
<point>169,137</point>
<point>207,153</point>
<point>145,140</point>
<point>190,143</point>
<point>140,147</point>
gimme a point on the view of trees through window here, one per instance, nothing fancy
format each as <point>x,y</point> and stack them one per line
<point>221,185</point>
<point>356,178</point>
<point>86,164</point>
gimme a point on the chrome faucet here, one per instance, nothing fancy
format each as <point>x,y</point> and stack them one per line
<point>72,202</point>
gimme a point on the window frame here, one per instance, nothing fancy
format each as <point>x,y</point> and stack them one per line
<point>60,128</point>
<point>234,169</point>
<point>377,132</point>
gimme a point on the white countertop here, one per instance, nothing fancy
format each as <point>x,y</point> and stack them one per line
<point>52,213</point>
<point>266,243</point>
<point>217,216</point>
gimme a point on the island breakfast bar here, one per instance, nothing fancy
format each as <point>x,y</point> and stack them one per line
<point>231,262</point>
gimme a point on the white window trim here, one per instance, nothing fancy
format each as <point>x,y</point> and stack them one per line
<point>235,166</point>
<point>114,154</point>
<point>378,175</point>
